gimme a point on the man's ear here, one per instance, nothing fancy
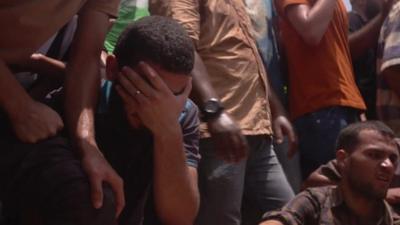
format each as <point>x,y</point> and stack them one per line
<point>111,67</point>
<point>341,156</point>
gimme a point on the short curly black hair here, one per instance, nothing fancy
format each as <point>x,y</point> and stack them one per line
<point>348,137</point>
<point>158,39</point>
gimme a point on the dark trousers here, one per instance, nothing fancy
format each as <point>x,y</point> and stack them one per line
<point>317,133</point>
<point>44,183</point>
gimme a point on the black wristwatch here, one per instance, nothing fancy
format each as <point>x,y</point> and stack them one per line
<point>211,109</point>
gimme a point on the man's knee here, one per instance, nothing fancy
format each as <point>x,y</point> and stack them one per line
<point>52,183</point>
<point>76,207</point>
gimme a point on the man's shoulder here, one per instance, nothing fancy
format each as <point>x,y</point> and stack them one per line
<point>305,208</point>
<point>323,192</point>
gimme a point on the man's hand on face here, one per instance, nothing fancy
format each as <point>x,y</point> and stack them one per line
<point>99,172</point>
<point>229,142</point>
<point>152,101</point>
<point>35,122</point>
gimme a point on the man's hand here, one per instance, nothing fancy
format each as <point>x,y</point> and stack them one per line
<point>282,127</point>
<point>393,196</point>
<point>35,122</point>
<point>229,142</point>
<point>152,100</point>
<point>99,171</point>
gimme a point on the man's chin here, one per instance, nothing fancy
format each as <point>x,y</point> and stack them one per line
<point>379,192</point>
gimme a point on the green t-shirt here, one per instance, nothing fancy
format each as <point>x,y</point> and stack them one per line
<point>129,11</point>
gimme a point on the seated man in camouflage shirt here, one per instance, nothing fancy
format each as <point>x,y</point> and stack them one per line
<point>367,156</point>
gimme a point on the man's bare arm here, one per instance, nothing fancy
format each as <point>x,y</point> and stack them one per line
<point>311,22</point>
<point>281,124</point>
<point>83,79</point>
<point>225,133</point>
<point>82,85</point>
<point>175,184</point>
<point>31,121</point>
<point>9,86</point>
<point>365,38</point>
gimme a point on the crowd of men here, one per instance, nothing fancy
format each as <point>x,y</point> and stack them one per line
<point>203,112</point>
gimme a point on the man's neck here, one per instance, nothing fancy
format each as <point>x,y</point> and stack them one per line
<point>368,210</point>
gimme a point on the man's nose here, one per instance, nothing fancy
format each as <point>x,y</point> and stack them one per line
<point>388,164</point>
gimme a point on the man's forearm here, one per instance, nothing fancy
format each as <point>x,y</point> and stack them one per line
<point>175,186</point>
<point>82,82</point>
<point>81,90</point>
<point>13,97</point>
<point>276,106</point>
<point>312,22</point>
<point>367,37</point>
<point>202,89</point>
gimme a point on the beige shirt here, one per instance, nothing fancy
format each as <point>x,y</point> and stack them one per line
<point>221,31</point>
<point>27,24</point>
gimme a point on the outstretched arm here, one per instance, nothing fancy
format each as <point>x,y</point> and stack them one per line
<point>82,83</point>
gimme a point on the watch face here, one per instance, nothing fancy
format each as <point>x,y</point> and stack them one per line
<point>211,107</point>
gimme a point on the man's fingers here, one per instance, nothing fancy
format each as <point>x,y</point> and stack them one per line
<point>293,144</point>
<point>291,151</point>
<point>278,134</point>
<point>239,146</point>
<point>126,98</point>
<point>136,81</point>
<point>128,86</point>
<point>96,192</point>
<point>153,77</point>
<point>223,147</point>
<point>232,147</point>
<point>118,189</point>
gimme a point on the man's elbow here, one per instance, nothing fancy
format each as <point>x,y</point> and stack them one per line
<point>311,37</point>
<point>307,28</point>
